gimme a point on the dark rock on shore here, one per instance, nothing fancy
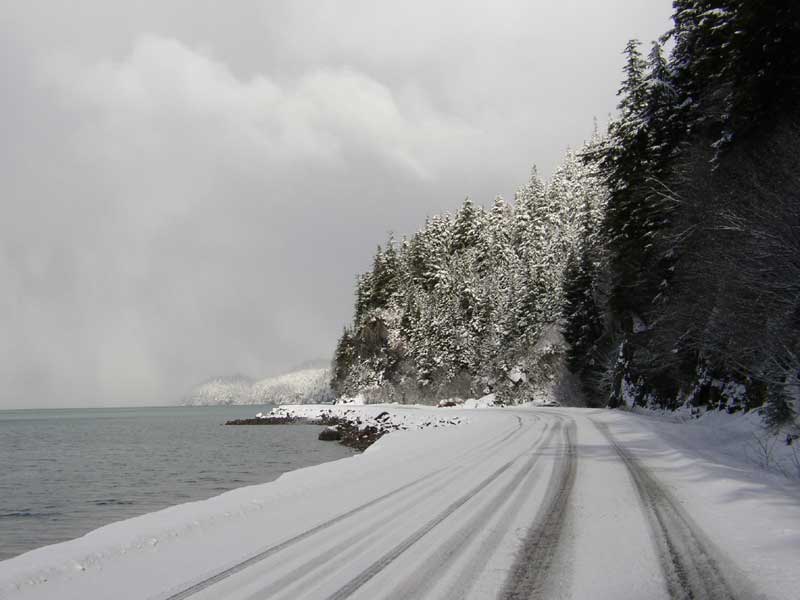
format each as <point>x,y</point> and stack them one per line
<point>362,439</point>
<point>348,432</point>
<point>262,421</point>
<point>330,434</point>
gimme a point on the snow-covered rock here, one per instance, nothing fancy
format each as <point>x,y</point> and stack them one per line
<point>485,402</point>
<point>357,400</point>
<point>384,417</point>
<point>516,374</point>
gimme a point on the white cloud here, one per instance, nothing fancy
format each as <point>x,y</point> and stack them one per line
<point>197,200</point>
<point>164,91</point>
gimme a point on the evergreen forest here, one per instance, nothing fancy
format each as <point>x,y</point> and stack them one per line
<point>658,266</point>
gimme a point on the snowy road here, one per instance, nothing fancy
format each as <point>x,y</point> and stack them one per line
<point>516,503</point>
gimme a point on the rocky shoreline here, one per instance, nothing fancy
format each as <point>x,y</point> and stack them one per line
<point>353,425</point>
<point>266,421</point>
<point>350,432</point>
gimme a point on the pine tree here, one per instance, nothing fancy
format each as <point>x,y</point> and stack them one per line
<point>762,64</point>
<point>527,204</point>
<point>363,296</point>
<point>778,409</point>
<point>628,156</point>
<point>383,281</point>
<point>343,360</point>
<point>466,228</point>
<point>583,325</point>
<point>662,122</point>
<point>736,63</point>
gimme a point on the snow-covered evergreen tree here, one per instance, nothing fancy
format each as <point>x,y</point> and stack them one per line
<point>460,307</point>
<point>664,251</point>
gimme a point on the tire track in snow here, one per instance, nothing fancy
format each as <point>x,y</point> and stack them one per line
<point>690,563</point>
<point>529,573</point>
<point>352,544</point>
<point>379,565</point>
<point>309,572</point>
<point>294,540</point>
<point>272,550</point>
<point>384,561</point>
<point>508,500</point>
<point>471,572</point>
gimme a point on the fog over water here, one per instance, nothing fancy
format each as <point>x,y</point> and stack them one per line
<point>188,188</point>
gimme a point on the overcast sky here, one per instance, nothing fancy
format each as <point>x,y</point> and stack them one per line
<point>189,187</point>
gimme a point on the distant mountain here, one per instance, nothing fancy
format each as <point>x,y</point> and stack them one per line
<point>304,386</point>
<point>230,389</point>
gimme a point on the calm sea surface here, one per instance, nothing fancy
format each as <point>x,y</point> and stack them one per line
<point>66,472</point>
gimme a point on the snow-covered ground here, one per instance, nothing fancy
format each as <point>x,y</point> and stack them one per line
<point>506,502</point>
<point>381,416</point>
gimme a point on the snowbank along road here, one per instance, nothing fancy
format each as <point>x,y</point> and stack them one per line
<point>512,503</point>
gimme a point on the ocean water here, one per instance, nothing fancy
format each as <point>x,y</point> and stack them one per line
<point>66,472</point>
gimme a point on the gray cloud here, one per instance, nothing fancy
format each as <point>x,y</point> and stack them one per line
<point>190,190</point>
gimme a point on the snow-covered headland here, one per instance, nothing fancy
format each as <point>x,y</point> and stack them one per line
<point>509,502</point>
<point>307,385</point>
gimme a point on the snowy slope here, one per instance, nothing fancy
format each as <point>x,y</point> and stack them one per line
<point>220,390</point>
<point>512,503</point>
<point>298,387</point>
